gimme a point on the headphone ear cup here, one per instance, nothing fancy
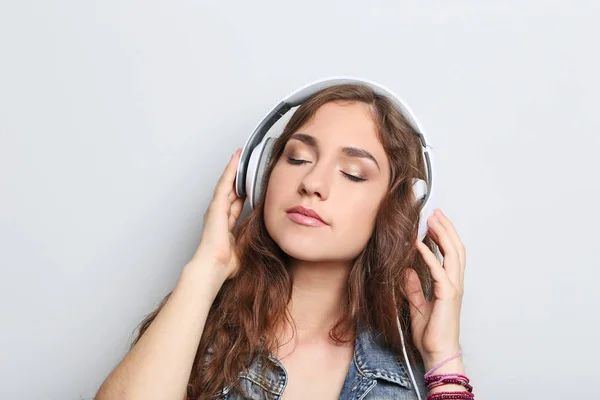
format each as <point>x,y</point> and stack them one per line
<point>262,164</point>
<point>419,188</point>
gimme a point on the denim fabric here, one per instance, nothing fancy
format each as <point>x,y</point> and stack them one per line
<point>375,373</point>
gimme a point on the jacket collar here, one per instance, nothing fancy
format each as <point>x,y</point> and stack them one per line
<point>371,358</point>
<point>374,360</point>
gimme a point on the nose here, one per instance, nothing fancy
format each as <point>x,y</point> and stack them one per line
<point>317,181</point>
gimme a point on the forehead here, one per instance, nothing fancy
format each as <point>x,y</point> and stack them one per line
<point>340,124</point>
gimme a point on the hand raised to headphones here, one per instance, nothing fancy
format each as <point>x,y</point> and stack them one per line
<point>217,244</point>
<point>436,324</point>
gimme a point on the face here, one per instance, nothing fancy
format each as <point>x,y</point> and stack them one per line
<point>324,192</point>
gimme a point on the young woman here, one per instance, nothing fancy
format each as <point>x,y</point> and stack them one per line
<point>299,301</point>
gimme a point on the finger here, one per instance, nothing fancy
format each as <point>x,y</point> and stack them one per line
<point>419,308</point>
<point>451,230</point>
<point>437,270</point>
<point>436,239</point>
<point>232,195</point>
<point>225,183</point>
<point>462,253</point>
<point>451,259</point>
<point>236,210</point>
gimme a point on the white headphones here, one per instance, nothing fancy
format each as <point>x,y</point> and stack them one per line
<point>257,152</point>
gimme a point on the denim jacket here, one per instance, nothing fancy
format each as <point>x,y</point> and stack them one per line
<point>375,373</point>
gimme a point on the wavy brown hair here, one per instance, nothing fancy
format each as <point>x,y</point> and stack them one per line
<point>242,319</point>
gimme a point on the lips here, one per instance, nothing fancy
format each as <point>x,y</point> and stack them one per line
<point>305,216</point>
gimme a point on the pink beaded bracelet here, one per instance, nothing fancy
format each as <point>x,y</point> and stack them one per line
<point>433,378</point>
<point>447,381</point>
<point>443,379</point>
<point>451,395</point>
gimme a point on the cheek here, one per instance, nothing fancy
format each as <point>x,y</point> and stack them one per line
<point>281,182</point>
<point>356,217</point>
<point>274,191</point>
<point>361,205</point>
<point>274,182</point>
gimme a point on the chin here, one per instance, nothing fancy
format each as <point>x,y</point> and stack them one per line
<point>302,244</point>
<point>309,244</point>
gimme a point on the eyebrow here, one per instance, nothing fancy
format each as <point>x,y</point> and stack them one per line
<point>349,151</point>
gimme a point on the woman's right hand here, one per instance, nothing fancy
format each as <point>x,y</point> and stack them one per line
<point>217,244</point>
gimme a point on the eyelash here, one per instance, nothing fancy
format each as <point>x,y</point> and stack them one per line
<point>295,161</point>
<point>353,178</point>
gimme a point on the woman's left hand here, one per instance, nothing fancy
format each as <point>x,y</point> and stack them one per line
<point>436,324</point>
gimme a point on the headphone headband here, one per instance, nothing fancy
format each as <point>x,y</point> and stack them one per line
<point>302,94</point>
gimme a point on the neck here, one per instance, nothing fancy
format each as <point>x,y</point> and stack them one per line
<point>318,294</point>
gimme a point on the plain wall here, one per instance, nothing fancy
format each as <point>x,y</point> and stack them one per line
<point>117,118</point>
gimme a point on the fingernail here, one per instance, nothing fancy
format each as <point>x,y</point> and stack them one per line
<point>439,212</point>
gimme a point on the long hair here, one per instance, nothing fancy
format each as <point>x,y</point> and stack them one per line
<point>242,319</point>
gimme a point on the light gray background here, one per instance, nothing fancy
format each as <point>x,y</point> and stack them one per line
<point>117,118</point>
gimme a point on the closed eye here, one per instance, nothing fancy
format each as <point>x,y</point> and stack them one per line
<point>353,178</point>
<point>296,161</point>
